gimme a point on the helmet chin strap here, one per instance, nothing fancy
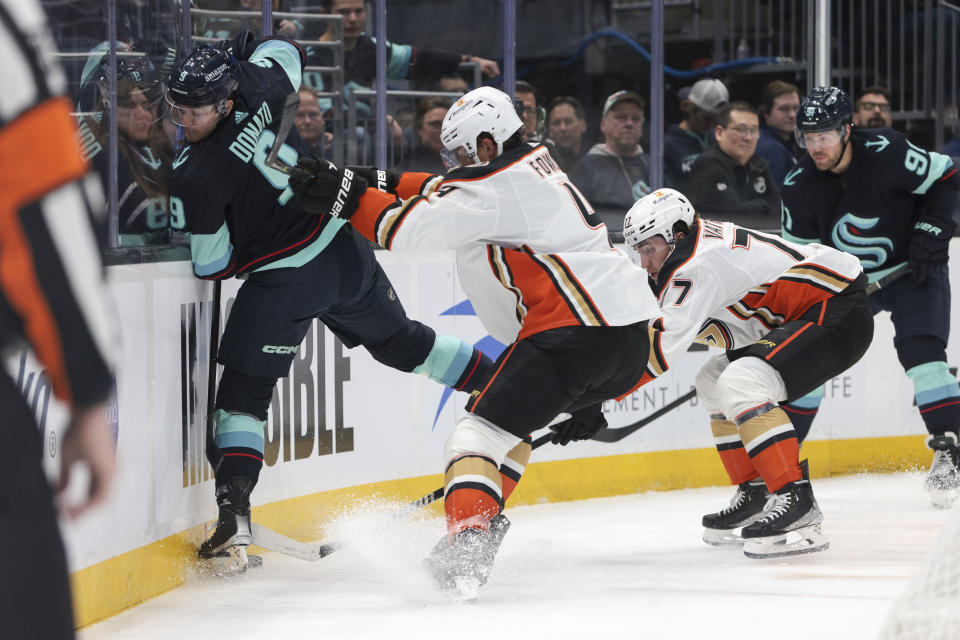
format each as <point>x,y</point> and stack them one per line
<point>843,150</point>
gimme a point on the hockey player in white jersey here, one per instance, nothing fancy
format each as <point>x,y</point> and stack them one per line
<point>789,317</point>
<point>536,263</point>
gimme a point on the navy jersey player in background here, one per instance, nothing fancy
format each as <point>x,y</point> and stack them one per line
<point>876,195</point>
<point>242,221</point>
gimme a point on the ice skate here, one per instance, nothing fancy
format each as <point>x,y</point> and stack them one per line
<point>231,536</point>
<point>943,481</point>
<point>462,564</point>
<point>790,524</point>
<point>745,508</point>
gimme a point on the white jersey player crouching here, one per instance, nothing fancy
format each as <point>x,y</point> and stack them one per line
<point>789,317</point>
<point>537,264</point>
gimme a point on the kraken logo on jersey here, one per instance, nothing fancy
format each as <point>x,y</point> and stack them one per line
<point>848,236</point>
<point>243,147</point>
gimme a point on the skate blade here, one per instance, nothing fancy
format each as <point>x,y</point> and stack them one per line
<point>466,589</point>
<point>228,563</point>
<point>943,498</point>
<point>804,540</point>
<point>723,537</point>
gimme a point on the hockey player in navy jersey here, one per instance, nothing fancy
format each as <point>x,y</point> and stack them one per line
<point>789,317</point>
<point>876,195</point>
<point>536,262</point>
<point>242,221</point>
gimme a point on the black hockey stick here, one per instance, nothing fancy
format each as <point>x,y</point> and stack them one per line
<point>618,434</point>
<point>211,442</point>
<point>290,106</point>
<point>896,274</point>
<point>270,539</point>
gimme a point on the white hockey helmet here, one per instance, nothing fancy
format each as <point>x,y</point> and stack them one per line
<point>483,110</point>
<point>655,214</point>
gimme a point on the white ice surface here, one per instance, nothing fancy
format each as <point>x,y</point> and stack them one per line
<point>625,567</point>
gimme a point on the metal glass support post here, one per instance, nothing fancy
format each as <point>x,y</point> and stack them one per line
<point>656,94</point>
<point>266,28</point>
<point>381,114</point>
<point>113,219</point>
<point>509,46</point>
<point>821,39</point>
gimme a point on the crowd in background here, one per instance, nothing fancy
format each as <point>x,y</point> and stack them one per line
<point>729,152</point>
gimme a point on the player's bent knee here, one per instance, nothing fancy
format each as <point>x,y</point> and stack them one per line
<point>706,382</point>
<point>475,436</point>
<point>243,393</point>
<point>747,383</point>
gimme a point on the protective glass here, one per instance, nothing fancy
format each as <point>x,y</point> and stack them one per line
<point>190,116</point>
<point>136,104</point>
<point>459,157</point>
<point>819,139</point>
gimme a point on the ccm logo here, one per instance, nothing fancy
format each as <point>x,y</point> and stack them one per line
<point>279,349</point>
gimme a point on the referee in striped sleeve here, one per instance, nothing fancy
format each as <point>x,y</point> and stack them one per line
<point>53,295</point>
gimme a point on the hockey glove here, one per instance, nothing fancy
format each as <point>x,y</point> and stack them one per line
<point>328,190</point>
<point>378,178</point>
<point>582,425</point>
<point>929,246</point>
<point>240,46</point>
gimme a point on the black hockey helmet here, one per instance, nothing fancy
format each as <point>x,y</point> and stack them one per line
<point>205,76</point>
<point>824,108</point>
<point>133,72</point>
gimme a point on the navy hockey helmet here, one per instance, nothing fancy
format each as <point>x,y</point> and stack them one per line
<point>823,109</point>
<point>206,76</point>
<point>133,72</point>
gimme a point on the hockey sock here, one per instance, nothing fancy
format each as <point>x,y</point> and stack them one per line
<point>938,396</point>
<point>240,440</point>
<point>802,411</point>
<point>513,466</point>
<point>452,362</point>
<point>771,443</point>
<point>473,493</point>
<point>732,454</point>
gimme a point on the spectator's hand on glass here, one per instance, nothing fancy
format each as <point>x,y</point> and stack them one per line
<point>396,131</point>
<point>488,68</point>
<point>287,29</point>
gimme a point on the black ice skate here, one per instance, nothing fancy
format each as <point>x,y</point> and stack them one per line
<point>462,564</point>
<point>789,525</point>
<point>745,508</point>
<point>229,541</point>
<point>943,481</point>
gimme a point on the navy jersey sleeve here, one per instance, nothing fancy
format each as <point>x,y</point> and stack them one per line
<point>798,220</point>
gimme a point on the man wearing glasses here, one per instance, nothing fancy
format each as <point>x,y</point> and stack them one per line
<point>873,193</point>
<point>730,181</point>
<point>873,108</point>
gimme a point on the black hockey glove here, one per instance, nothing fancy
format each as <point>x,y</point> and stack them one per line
<point>240,46</point>
<point>582,425</point>
<point>929,246</point>
<point>377,178</point>
<point>328,190</point>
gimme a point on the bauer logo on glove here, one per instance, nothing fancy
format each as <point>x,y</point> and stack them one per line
<point>327,190</point>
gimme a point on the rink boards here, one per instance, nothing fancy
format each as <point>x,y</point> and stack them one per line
<point>343,429</point>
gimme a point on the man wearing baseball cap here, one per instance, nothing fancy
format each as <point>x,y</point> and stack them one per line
<point>684,142</point>
<point>615,173</point>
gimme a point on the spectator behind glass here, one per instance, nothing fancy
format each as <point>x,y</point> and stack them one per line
<point>404,61</point>
<point>873,108</point>
<point>684,142</point>
<point>615,172</point>
<point>425,157</point>
<point>227,26</point>
<point>145,152</point>
<point>729,181</point>
<point>311,126</point>
<point>533,114</point>
<point>777,145</point>
<point>451,83</point>
<point>565,127</point>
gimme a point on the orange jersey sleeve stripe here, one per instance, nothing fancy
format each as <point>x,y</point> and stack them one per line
<point>411,184</point>
<point>371,205</point>
<point>39,152</point>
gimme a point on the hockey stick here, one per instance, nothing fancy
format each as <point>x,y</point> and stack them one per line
<point>290,106</point>
<point>273,541</point>
<point>211,442</point>
<point>615,435</point>
<point>896,274</point>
